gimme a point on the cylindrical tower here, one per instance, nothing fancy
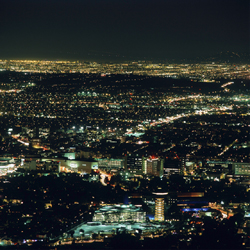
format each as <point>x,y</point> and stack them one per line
<point>159,204</point>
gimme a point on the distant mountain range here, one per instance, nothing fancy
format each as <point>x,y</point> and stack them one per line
<point>226,57</point>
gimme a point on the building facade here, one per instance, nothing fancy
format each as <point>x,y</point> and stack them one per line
<point>159,209</point>
<point>120,213</point>
<point>7,165</point>
<point>111,164</point>
<point>160,196</point>
<point>134,164</point>
<point>240,168</point>
<point>153,165</point>
<point>62,164</point>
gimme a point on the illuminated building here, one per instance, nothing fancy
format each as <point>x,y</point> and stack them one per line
<point>36,142</point>
<point>48,165</point>
<point>111,164</point>
<point>120,213</point>
<point>70,155</point>
<point>160,204</point>
<point>172,167</point>
<point>159,209</point>
<point>79,166</point>
<point>191,195</point>
<point>241,168</point>
<point>134,164</point>
<point>62,164</point>
<point>7,165</point>
<point>191,200</point>
<point>152,166</point>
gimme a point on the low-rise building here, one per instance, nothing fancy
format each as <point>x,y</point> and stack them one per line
<point>120,213</point>
<point>7,165</point>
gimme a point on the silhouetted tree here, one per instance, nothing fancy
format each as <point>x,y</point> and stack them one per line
<point>125,241</point>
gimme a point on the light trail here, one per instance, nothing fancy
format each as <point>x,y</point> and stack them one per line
<point>179,116</point>
<point>227,84</point>
<point>21,141</point>
<point>228,147</point>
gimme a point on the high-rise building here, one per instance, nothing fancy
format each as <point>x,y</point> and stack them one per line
<point>152,165</point>
<point>159,209</point>
<point>160,196</point>
<point>134,164</point>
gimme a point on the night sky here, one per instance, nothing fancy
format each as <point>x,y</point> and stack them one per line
<point>122,29</point>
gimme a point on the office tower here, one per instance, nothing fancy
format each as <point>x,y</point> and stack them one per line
<point>152,165</point>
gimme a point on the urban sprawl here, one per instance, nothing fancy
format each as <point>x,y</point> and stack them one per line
<point>134,155</point>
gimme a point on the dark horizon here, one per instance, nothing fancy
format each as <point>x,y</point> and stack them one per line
<point>109,30</point>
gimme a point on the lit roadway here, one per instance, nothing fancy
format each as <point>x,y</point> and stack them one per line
<point>228,147</point>
<point>26,143</point>
<point>179,116</point>
<point>225,213</point>
<point>10,90</point>
<point>226,84</point>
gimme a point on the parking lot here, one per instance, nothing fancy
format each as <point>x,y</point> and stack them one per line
<point>90,229</point>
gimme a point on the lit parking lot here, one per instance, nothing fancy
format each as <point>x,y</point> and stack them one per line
<point>91,228</point>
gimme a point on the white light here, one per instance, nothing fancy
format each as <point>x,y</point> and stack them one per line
<point>73,165</point>
<point>160,193</point>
